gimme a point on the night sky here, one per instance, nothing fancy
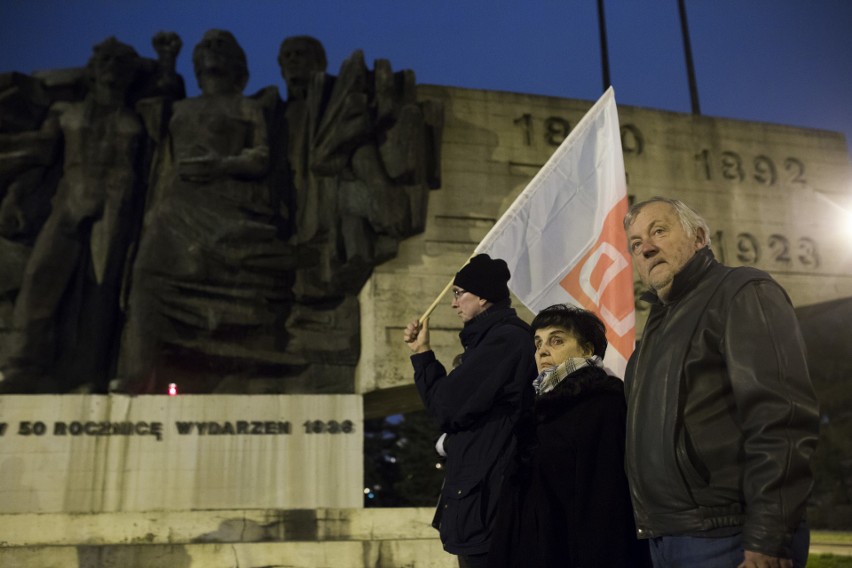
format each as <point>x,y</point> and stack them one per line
<point>780,61</point>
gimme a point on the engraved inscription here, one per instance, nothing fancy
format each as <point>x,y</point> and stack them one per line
<point>732,166</point>
<point>735,168</point>
<point>748,249</point>
<point>632,141</point>
<point>525,122</point>
<point>328,427</point>
<point>778,251</point>
<point>554,130</point>
<point>796,169</point>
<point>780,248</point>
<point>764,170</point>
<point>808,255</point>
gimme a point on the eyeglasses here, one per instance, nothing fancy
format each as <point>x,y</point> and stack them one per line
<point>458,293</point>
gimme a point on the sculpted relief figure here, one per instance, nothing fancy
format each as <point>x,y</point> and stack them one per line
<point>362,163</point>
<point>29,172</point>
<point>26,154</point>
<point>31,142</point>
<point>263,218</point>
<point>67,308</point>
<point>211,278</point>
<point>363,156</point>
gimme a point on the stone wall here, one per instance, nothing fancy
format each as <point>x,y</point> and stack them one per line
<point>772,195</point>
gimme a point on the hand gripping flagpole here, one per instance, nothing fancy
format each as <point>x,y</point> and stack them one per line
<point>422,319</point>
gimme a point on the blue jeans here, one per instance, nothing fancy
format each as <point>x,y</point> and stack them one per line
<point>719,552</point>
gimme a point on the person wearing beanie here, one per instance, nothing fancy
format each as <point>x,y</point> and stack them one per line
<point>485,277</point>
<point>480,405</point>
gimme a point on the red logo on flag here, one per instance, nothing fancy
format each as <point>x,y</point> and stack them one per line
<point>602,282</point>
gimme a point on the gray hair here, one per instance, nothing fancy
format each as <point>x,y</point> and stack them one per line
<point>690,220</point>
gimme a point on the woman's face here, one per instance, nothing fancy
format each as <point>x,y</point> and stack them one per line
<point>219,64</point>
<point>554,345</point>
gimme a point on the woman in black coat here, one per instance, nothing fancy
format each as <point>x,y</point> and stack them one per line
<point>568,504</point>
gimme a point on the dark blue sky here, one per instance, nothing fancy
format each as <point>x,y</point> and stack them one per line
<point>780,61</point>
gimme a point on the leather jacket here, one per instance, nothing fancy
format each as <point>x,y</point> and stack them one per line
<point>722,417</point>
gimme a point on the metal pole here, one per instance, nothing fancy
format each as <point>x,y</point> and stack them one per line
<point>604,50</point>
<point>690,67</point>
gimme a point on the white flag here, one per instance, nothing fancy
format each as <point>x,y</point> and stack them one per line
<point>562,237</point>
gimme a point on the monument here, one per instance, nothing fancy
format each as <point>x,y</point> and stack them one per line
<point>155,244</point>
<point>283,261</point>
<point>219,241</point>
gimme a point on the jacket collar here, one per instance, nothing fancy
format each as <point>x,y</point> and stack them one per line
<point>685,280</point>
<point>477,327</point>
<point>579,384</point>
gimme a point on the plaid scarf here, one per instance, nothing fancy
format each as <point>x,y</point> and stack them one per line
<point>547,380</point>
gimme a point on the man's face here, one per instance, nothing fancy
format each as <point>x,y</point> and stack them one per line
<point>466,304</point>
<point>114,68</point>
<point>298,61</point>
<point>660,246</point>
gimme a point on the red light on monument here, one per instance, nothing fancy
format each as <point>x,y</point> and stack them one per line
<point>172,389</point>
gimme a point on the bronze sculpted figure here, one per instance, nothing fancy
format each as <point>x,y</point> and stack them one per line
<point>359,148</point>
<point>263,218</point>
<point>29,173</point>
<point>67,306</point>
<point>211,277</point>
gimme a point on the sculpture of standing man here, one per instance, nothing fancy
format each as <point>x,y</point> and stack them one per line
<point>359,150</point>
<point>66,312</point>
<point>363,156</point>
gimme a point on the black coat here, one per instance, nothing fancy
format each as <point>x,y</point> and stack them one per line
<point>478,405</point>
<point>568,504</point>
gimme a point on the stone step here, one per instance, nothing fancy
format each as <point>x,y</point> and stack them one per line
<point>215,526</point>
<point>315,538</point>
<point>329,554</point>
<point>251,538</point>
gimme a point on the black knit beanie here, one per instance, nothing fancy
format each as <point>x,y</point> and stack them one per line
<point>486,277</point>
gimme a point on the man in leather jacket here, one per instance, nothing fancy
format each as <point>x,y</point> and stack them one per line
<point>478,405</point>
<point>722,419</point>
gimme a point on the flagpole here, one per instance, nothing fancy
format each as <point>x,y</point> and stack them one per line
<point>690,66</point>
<point>604,50</point>
<point>430,309</point>
<point>434,305</point>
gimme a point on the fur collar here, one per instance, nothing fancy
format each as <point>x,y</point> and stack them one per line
<point>576,386</point>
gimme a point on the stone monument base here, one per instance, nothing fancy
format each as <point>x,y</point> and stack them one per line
<point>327,538</point>
<point>116,453</point>
<point>255,538</point>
